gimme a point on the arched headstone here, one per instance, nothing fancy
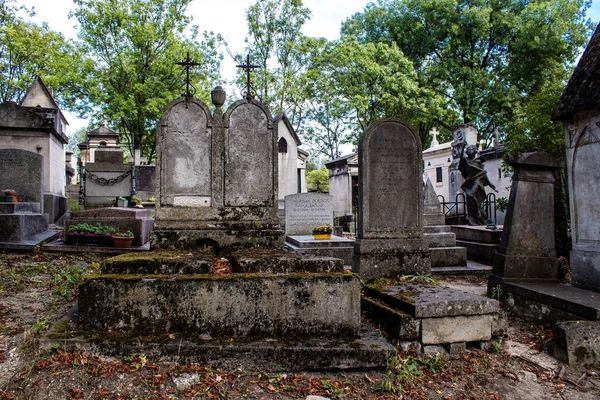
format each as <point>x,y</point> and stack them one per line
<point>390,237</point>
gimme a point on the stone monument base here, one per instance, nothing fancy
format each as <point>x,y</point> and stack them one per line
<point>260,309</point>
<point>377,258</point>
<point>337,246</point>
<point>432,316</point>
<point>216,241</point>
<point>585,269</point>
<point>366,350</point>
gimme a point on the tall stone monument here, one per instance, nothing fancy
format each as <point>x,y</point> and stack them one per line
<point>390,219</point>
<point>579,109</point>
<point>527,249</point>
<point>216,176</point>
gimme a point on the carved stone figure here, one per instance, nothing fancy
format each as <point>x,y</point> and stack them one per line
<point>471,169</point>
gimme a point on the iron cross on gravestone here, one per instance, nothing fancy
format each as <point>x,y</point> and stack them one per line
<point>187,64</point>
<point>248,68</point>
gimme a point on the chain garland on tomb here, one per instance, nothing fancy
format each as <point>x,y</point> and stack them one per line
<point>107,182</point>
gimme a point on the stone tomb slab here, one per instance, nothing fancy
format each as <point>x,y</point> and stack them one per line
<point>237,305</point>
<point>305,211</point>
<point>367,350</point>
<point>423,301</point>
<point>308,241</point>
<point>279,262</point>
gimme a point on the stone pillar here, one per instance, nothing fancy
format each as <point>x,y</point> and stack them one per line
<point>526,249</point>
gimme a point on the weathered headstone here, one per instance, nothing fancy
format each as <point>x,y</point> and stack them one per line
<point>185,159</point>
<point>220,190</point>
<point>390,227</point>
<point>305,211</point>
<point>251,158</point>
<point>22,171</point>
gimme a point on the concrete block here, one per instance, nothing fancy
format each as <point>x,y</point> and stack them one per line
<point>456,329</point>
<point>448,256</point>
<point>456,348</point>
<point>577,342</point>
<point>434,350</point>
<point>441,239</point>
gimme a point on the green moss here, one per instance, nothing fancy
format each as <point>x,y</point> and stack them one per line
<point>212,277</point>
<point>408,296</point>
<point>62,326</point>
<point>581,353</point>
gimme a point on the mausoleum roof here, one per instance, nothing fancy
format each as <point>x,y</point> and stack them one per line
<point>102,131</point>
<point>583,90</point>
<point>286,121</point>
<point>439,147</point>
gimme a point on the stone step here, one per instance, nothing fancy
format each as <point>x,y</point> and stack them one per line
<point>366,350</point>
<point>441,239</point>
<point>20,208</point>
<point>446,256</point>
<point>437,228</point>
<point>477,234</point>
<point>238,305</point>
<point>19,227</point>
<point>470,268</point>
<point>478,251</point>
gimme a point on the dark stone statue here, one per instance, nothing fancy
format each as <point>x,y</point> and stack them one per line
<point>471,169</point>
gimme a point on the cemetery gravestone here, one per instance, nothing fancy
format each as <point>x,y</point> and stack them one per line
<point>22,171</point>
<point>220,190</point>
<point>390,228</point>
<point>305,211</point>
<point>186,157</point>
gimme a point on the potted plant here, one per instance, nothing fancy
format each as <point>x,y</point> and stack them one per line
<point>137,202</point>
<point>122,240</point>
<point>122,202</point>
<point>322,232</point>
<point>9,196</point>
<point>85,234</point>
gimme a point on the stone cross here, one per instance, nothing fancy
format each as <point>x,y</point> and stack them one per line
<point>434,142</point>
<point>187,64</point>
<point>248,68</point>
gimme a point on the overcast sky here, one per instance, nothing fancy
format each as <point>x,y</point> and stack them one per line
<point>227,17</point>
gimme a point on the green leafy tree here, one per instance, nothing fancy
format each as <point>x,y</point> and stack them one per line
<point>27,50</point>
<point>133,46</point>
<point>485,57</point>
<point>372,81</point>
<point>319,180</point>
<point>276,44</point>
